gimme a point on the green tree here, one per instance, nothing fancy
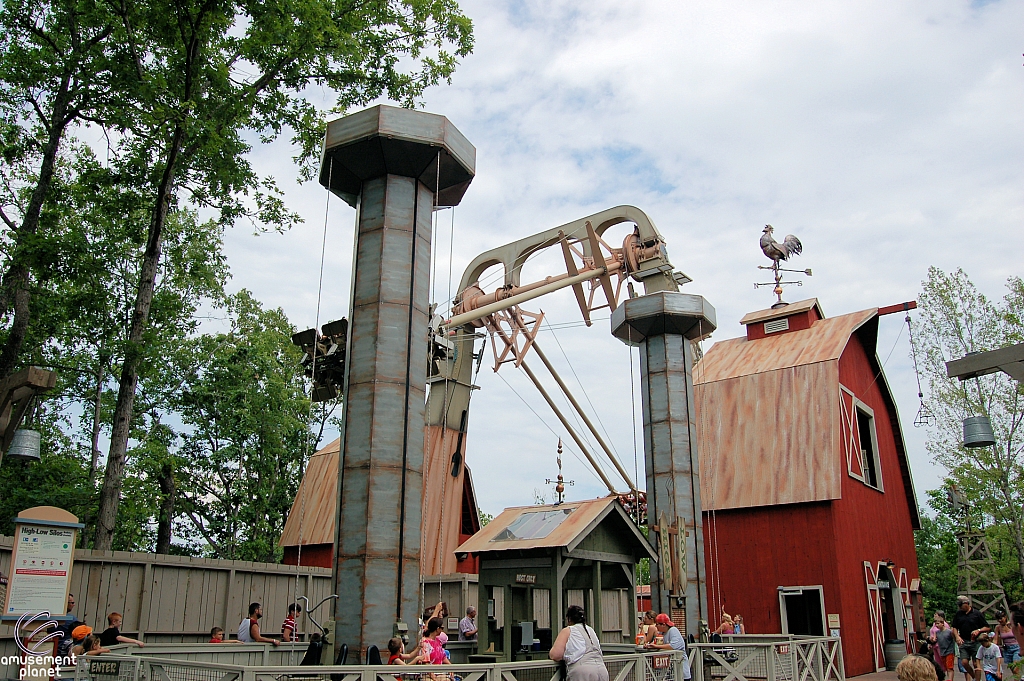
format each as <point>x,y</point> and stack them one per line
<point>56,61</point>
<point>209,74</point>
<point>248,428</point>
<point>937,556</point>
<point>956,319</point>
<point>83,296</point>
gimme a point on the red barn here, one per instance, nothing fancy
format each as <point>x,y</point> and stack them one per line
<point>809,506</point>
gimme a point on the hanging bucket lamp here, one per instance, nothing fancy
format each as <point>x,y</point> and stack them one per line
<point>24,445</point>
<point>978,432</point>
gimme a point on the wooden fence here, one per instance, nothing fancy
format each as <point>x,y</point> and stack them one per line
<point>171,599</point>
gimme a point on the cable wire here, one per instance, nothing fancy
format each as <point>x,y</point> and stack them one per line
<point>541,419</point>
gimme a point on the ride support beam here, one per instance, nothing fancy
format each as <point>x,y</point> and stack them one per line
<point>662,324</point>
<point>394,166</point>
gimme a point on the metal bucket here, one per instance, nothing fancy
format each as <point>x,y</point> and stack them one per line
<point>24,446</point>
<point>978,432</point>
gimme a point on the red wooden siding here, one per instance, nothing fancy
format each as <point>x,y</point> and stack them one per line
<point>870,525</point>
<point>761,549</point>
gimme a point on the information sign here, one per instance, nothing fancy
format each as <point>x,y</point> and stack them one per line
<point>41,561</point>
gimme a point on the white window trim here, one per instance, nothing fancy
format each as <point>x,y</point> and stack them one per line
<point>858,404</point>
<point>791,591</point>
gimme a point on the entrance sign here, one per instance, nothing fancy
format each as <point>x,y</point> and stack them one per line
<point>44,551</point>
<point>104,668</point>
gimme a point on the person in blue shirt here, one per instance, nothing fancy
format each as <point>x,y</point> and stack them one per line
<point>672,639</point>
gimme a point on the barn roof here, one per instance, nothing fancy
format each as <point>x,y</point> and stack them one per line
<point>824,341</point>
<point>768,413</point>
<point>313,509</point>
<point>550,526</point>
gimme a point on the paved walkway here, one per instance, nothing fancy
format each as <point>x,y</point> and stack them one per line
<point>877,676</point>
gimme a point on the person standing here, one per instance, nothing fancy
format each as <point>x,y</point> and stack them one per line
<point>968,624</point>
<point>288,626</point>
<point>945,649</point>
<point>579,647</point>
<point>249,628</point>
<point>672,639</point>
<point>990,658</point>
<point>1007,640</point>
<point>66,641</point>
<point>467,625</point>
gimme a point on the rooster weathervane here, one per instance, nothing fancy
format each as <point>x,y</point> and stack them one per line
<point>778,252</point>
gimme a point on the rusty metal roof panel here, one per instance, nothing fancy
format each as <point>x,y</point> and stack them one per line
<point>312,514</point>
<point>525,527</point>
<point>824,341</point>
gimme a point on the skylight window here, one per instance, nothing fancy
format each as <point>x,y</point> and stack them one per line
<point>533,525</point>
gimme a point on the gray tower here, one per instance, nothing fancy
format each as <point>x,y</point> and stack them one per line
<point>663,324</point>
<point>393,165</point>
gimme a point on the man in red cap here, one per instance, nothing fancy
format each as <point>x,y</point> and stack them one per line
<point>672,640</point>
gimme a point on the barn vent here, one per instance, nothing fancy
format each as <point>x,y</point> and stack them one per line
<point>776,325</point>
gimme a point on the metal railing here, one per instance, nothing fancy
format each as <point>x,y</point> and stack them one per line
<point>797,659</point>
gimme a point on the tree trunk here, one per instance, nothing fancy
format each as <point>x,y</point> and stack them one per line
<point>97,424</point>
<point>15,286</point>
<point>110,495</point>
<point>168,492</point>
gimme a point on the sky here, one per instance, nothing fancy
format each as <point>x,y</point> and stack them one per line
<point>887,136</point>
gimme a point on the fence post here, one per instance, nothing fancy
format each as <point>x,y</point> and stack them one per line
<point>773,662</point>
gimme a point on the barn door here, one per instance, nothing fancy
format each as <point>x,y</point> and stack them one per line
<point>908,615</point>
<point>875,616</point>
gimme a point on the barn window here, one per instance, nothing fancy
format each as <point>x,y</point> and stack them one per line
<point>868,447</point>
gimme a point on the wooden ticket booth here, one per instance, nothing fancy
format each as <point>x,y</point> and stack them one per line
<point>535,561</point>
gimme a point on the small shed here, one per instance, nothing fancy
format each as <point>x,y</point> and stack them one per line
<point>535,561</point>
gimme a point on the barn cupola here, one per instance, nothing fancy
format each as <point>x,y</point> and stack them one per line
<point>779,320</point>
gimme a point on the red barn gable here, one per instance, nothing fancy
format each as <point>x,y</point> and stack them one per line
<point>808,499</point>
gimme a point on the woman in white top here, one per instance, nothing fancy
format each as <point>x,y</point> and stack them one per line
<point>580,648</point>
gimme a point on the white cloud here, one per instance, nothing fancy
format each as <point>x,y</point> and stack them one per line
<point>887,136</point>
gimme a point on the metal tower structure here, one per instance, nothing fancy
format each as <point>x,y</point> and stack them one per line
<point>976,570</point>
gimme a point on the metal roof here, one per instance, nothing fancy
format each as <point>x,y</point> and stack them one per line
<point>583,517</point>
<point>785,311</point>
<point>824,341</point>
<point>312,511</point>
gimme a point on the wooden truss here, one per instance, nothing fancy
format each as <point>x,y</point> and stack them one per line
<point>976,575</point>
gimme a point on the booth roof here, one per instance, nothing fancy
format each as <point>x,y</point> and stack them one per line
<point>580,520</point>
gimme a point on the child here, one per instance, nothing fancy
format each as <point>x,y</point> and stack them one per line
<point>945,646</point>
<point>111,636</point>
<point>991,658</point>
<point>396,650</point>
<point>78,636</point>
<point>915,668</point>
<point>92,646</point>
<point>217,636</point>
<point>288,626</point>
